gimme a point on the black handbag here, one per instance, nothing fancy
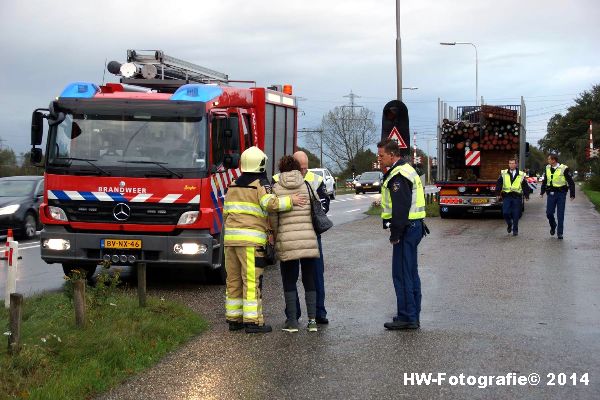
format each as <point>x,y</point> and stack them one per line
<point>321,223</point>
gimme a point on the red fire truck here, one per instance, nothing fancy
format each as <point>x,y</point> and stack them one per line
<point>137,171</point>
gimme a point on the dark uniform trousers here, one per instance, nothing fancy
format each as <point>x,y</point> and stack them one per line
<point>511,210</point>
<point>555,200</point>
<point>405,273</point>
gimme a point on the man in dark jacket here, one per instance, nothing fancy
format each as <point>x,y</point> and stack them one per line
<point>512,186</point>
<point>557,181</point>
<point>403,211</point>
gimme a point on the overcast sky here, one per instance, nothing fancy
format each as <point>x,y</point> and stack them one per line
<point>546,51</point>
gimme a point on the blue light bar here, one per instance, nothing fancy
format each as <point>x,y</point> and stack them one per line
<point>82,90</point>
<point>197,92</point>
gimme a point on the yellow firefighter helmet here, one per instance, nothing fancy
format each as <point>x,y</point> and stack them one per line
<point>254,160</point>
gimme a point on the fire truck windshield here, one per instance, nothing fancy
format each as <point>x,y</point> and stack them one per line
<point>129,145</point>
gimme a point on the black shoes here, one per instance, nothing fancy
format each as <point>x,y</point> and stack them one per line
<point>509,228</point>
<point>515,233</point>
<point>552,231</point>
<point>401,325</point>
<point>560,237</point>
<point>322,321</point>
<point>235,325</point>
<point>255,328</point>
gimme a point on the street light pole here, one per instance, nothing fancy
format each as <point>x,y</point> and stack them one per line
<point>398,53</point>
<point>476,66</point>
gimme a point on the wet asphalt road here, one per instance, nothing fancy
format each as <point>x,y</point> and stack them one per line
<point>492,305</point>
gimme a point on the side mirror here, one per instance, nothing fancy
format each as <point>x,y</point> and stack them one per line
<point>36,155</point>
<point>231,160</point>
<point>37,128</point>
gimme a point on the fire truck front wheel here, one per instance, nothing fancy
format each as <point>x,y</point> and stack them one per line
<point>87,269</point>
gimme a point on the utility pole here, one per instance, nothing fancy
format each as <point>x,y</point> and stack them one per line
<point>398,53</point>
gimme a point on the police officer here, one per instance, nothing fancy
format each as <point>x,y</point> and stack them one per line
<point>403,204</point>
<point>318,185</point>
<point>247,205</point>
<point>512,184</point>
<point>557,181</point>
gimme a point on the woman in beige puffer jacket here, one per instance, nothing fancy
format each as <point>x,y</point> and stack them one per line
<point>296,244</point>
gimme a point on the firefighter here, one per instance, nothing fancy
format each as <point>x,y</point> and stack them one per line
<point>512,186</point>
<point>247,205</point>
<point>318,185</point>
<point>557,182</point>
<point>403,211</point>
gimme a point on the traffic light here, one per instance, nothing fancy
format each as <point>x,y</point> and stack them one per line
<point>394,124</point>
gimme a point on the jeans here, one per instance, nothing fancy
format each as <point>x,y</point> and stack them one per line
<point>405,273</point>
<point>511,210</point>
<point>556,201</point>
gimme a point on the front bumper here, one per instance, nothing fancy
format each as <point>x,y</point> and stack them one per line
<point>156,249</point>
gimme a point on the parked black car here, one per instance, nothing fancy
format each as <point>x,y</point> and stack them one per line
<point>369,182</point>
<point>20,198</point>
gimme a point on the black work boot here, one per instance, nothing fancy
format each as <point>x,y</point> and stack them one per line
<point>255,328</point>
<point>235,325</point>
<point>401,325</point>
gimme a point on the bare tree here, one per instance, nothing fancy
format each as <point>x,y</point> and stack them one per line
<point>344,132</point>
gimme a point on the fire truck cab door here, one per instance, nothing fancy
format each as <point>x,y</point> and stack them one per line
<point>225,138</point>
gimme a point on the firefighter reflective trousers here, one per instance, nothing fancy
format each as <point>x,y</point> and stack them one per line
<point>243,298</point>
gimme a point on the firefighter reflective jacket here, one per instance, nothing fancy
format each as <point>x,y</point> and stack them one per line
<point>314,180</point>
<point>515,186</point>
<point>247,205</point>
<point>417,207</point>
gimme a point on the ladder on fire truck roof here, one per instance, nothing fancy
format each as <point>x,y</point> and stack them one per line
<point>156,70</point>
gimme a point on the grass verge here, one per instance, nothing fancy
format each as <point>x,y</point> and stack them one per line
<point>593,195</point>
<point>432,210</point>
<point>59,361</point>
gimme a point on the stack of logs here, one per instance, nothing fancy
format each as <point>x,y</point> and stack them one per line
<point>498,130</point>
<point>500,135</point>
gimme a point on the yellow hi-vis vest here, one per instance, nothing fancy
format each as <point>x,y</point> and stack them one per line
<point>556,179</point>
<point>515,186</point>
<point>314,180</point>
<point>417,206</point>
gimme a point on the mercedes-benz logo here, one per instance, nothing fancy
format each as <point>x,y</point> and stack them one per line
<point>121,212</point>
<point>122,183</point>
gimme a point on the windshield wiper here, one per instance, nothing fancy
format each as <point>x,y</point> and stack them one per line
<point>160,164</point>
<point>87,160</point>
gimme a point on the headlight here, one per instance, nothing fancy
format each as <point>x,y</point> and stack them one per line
<point>357,184</point>
<point>56,244</point>
<point>8,210</point>
<point>188,218</point>
<point>376,183</point>
<point>57,213</point>
<point>189,248</point>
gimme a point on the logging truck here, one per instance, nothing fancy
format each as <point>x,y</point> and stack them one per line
<point>475,144</point>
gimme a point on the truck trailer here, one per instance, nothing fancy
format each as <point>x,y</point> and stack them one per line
<point>474,145</point>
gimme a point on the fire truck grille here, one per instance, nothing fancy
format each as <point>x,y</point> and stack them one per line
<point>133,213</point>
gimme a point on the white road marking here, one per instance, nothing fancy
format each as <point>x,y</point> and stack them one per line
<point>355,210</point>
<point>29,247</point>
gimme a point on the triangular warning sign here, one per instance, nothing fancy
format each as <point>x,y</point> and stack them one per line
<point>395,135</point>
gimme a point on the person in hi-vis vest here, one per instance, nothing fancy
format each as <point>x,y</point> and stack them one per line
<point>512,186</point>
<point>557,181</point>
<point>403,212</point>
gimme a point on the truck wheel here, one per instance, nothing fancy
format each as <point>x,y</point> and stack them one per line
<point>87,269</point>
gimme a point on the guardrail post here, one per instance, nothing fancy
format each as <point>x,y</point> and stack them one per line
<point>16,315</point>
<point>79,302</point>
<point>141,286</point>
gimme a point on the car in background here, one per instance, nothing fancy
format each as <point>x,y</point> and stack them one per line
<point>329,180</point>
<point>20,198</point>
<point>369,182</point>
